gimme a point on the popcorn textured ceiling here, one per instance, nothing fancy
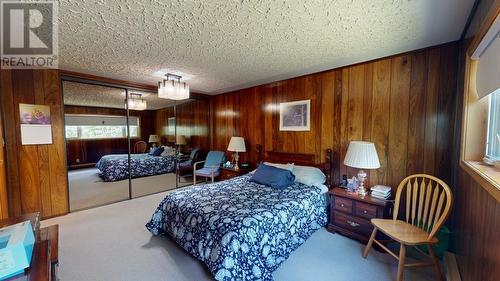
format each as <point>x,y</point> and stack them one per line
<point>229,44</point>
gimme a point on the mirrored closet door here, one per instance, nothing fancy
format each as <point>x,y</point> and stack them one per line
<point>153,158</point>
<point>125,143</point>
<point>176,133</point>
<point>97,134</point>
<point>192,138</point>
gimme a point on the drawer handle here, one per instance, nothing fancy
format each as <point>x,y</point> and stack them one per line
<point>353,224</point>
<point>342,205</point>
<point>365,212</point>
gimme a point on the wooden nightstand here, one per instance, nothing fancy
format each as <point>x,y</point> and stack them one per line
<point>229,173</point>
<point>350,213</point>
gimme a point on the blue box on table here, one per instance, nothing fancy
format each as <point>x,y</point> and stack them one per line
<point>16,248</point>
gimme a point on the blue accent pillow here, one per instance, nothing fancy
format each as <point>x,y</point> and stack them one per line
<point>157,151</point>
<point>273,177</point>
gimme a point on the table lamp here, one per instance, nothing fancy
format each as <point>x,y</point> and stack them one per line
<point>180,140</point>
<point>236,144</point>
<point>362,155</point>
<point>154,139</point>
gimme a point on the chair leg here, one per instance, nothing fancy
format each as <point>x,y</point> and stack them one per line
<point>370,243</point>
<point>436,262</point>
<point>401,265</point>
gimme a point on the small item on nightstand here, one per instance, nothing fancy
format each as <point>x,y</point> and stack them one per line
<point>352,184</point>
<point>381,192</point>
<point>343,183</point>
<point>227,165</point>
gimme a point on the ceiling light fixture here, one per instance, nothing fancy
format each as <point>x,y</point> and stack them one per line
<point>136,102</point>
<point>172,88</point>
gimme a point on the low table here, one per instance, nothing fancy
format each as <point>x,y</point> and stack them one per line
<point>45,258</point>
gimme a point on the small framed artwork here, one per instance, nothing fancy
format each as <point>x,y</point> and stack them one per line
<point>295,116</point>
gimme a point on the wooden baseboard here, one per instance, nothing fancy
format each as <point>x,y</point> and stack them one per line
<point>81,166</point>
<point>450,264</point>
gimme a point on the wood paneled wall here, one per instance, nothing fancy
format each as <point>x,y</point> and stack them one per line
<point>404,104</point>
<point>4,207</point>
<point>90,151</point>
<point>161,124</point>
<point>36,174</point>
<point>193,122</point>
<point>475,228</point>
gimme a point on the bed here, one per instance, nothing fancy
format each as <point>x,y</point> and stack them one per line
<point>240,229</point>
<point>115,167</point>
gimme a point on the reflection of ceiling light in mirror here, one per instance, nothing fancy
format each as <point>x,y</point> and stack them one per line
<point>135,102</point>
<point>172,88</point>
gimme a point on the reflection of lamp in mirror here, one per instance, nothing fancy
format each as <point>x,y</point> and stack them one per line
<point>236,144</point>
<point>180,140</point>
<point>362,155</point>
<point>154,139</point>
<point>136,102</point>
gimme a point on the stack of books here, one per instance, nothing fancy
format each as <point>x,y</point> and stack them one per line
<point>381,192</point>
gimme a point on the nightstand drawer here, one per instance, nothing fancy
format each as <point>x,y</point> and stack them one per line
<point>226,176</point>
<point>352,223</point>
<point>343,204</point>
<point>365,210</point>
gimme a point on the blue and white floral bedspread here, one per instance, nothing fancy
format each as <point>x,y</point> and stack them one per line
<point>241,230</point>
<point>114,167</point>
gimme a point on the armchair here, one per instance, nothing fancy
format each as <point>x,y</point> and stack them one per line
<point>211,167</point>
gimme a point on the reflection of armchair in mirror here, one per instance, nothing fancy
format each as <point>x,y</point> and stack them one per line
<point>185,163</point>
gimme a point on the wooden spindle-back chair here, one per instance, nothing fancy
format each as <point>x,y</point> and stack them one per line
<point>428,204</point>
<point>140,147</point>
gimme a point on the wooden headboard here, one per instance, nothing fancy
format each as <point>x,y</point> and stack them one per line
<point>298,159</point>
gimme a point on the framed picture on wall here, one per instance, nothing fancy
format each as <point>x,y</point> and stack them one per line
<point>295,116</point>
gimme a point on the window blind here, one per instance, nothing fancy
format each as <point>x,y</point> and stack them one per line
<point>99,120</point>
<point>493,142</point>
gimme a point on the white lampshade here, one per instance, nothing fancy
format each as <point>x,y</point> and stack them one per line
<point>237,144</point>
<point>180,140</point>
<point>362,155</point>
<point>153,138</point>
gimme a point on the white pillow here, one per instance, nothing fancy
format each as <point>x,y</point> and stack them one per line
<point>168,151</point>
<point>309,175</point>
<point>288,166</point>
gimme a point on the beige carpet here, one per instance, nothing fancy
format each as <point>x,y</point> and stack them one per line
<point>111,243</point>
<point>87,189</point>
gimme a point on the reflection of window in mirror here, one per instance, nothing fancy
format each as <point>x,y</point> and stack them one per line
<point>481,124</point>
<point>83,126</point>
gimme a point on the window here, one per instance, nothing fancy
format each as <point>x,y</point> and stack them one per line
<point>493,135</point>
<point>100,126</point>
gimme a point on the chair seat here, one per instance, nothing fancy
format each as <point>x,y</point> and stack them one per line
<point>207,172</point>
<point>186,164</point>
<point>403,232</point>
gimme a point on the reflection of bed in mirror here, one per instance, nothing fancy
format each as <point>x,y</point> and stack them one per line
<point>114,167</point>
